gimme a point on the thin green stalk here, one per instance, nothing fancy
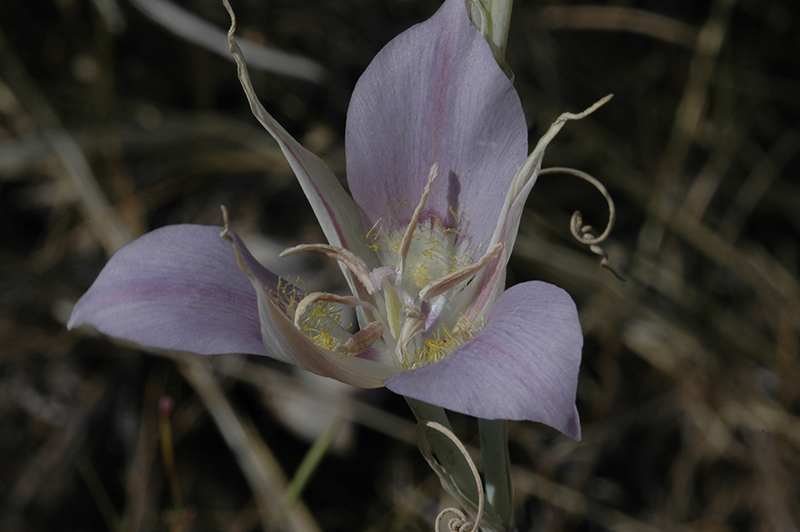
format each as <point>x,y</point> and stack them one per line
<point>168,453</point>
<point>497,469</point>
<point>461,482</point>
<point>307,467</point>
<point>100,495</point>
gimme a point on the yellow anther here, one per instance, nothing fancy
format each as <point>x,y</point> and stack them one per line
<point>315,314</point>
<point>440,343</point>
<point>315,297</point>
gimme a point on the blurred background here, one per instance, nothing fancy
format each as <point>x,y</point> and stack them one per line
<point>118,117</point>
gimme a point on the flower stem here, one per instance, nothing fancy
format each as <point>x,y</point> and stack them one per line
<point>457,479</point>
<point>445,451</point>
<point>496,469</point>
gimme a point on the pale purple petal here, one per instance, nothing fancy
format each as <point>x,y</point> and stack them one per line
<point>178,287</point>
<point>482,291</point>
<point>523,365</point>
<point>435,95</point>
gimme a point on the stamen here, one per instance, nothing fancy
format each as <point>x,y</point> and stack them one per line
<point>443,284</point>
<point>406,242</point>
<point>362,340</point>
<point>350,301</point>
<point>354,263</point>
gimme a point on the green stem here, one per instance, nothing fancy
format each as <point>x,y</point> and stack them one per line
<point>461,483</point>
<point>500,17</point>
<point>497,469</point>
<point>165,407</point>
<point>307,467</point>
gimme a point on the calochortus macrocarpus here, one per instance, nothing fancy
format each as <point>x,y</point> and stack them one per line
<point>439,171</point>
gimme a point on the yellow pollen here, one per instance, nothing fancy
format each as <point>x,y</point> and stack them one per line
<point>322,321</point>
<point>322,325</point>
<point>431,254</point>
<point>441,343</point>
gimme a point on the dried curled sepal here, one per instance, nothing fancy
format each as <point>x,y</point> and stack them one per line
<point>583,233</point>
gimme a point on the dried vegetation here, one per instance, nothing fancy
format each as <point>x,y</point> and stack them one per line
<point>111,125</point>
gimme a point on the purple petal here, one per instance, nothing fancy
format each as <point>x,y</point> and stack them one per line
<point>178,287</point>
<point>435,95</point>
<point>523,365</point>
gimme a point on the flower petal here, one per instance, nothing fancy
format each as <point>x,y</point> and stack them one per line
<point>285,342</point>
<point>182,287</point>
<point>178,287</point>
<point>523,365</point>
<point>435,95</point>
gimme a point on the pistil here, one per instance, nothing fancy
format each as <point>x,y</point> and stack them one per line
<point>412,326</point>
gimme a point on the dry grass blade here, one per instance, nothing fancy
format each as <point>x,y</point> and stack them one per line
<point>687,393</point>
<point>196,30</point>
<point>93,203</point>
<point>257,462</point>
<point>616,18</point>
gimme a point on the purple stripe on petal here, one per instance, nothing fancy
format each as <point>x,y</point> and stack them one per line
<point>435,95</point>
<point>178,287</point>
<point>523,365</point>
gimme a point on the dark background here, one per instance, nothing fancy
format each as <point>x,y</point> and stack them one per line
<point>688,391</point>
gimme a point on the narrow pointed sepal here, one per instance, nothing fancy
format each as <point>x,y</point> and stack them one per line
<point>334,208</point>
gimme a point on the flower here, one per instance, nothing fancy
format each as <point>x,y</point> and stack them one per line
<point>438,167</point>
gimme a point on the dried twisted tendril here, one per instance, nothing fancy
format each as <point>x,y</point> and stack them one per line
<point>583,233</point>
<point>456,520</point>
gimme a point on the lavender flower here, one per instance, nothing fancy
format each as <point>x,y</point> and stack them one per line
<point>438,166</point>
